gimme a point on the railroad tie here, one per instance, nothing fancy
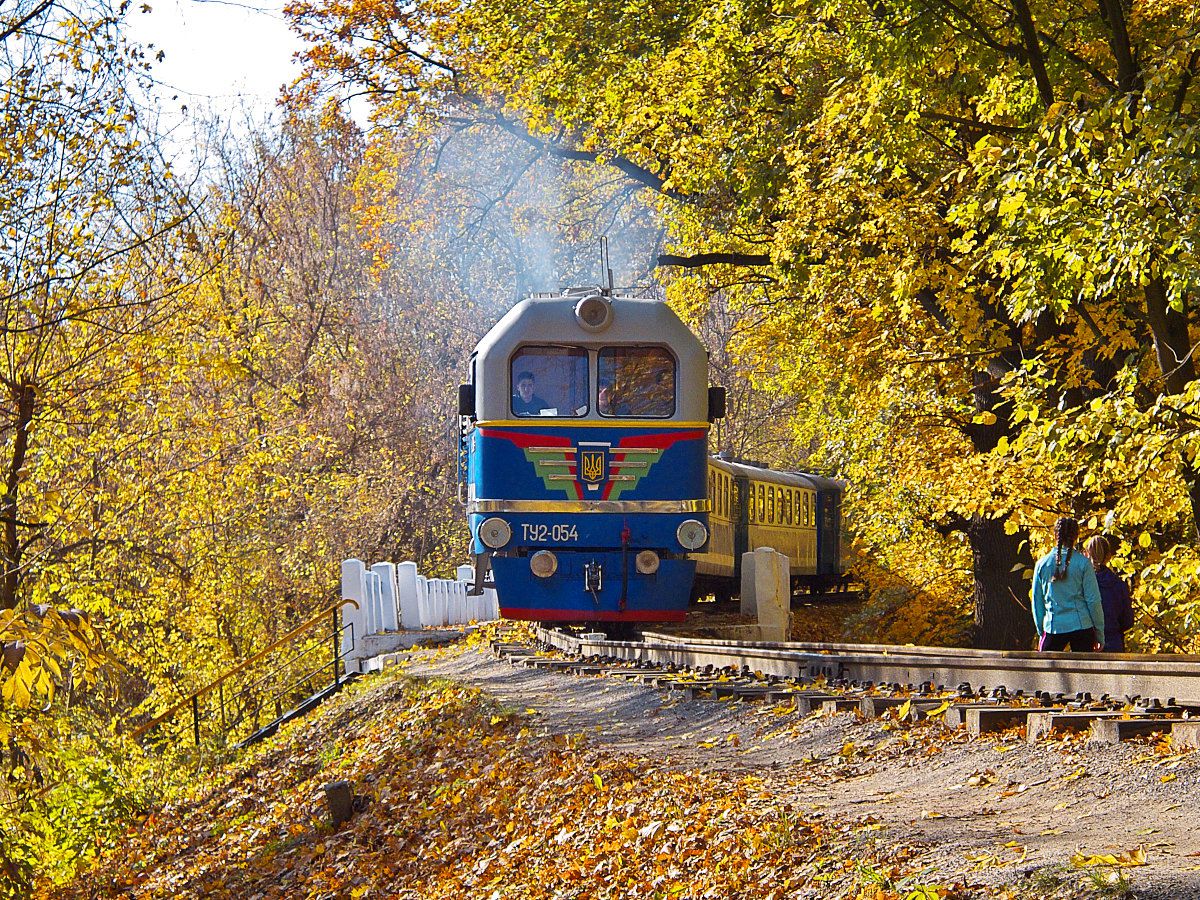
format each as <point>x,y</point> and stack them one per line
<point>1113,731</point>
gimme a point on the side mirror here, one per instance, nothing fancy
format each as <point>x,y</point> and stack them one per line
<point>716,403</point>
<point>466,400</point>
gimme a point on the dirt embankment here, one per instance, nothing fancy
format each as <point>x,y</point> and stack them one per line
<point>1057,819</point>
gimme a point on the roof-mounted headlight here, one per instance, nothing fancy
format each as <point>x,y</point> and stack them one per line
<point>594,313</point>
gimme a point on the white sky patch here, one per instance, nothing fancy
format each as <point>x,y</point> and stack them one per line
<point>220,55</point>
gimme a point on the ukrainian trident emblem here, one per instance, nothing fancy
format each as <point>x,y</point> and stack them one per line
<point>592,463</point>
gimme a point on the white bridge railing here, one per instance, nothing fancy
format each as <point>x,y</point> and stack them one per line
<point>394,598</point>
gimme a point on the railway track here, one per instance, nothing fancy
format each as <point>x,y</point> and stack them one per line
<point>1113,697</point>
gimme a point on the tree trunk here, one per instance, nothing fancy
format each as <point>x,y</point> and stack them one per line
<point>1003,620</point>
<point>25,397</point>
<point>1173,351</point>
<point>1172,344</point>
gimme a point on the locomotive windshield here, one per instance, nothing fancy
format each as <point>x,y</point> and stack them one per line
<point>550,381</point>
<point>636,381</point>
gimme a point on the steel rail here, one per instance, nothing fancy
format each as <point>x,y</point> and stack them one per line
<point>1116,674</point>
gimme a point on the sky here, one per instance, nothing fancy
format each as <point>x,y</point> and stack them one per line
<point>219,54</point>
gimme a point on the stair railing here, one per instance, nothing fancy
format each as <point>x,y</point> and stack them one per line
<point>245,703</point>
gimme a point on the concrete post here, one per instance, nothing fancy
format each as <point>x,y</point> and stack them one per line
<point>748,605</point>
<point>437,596</point>
<point>388,617</point>
<point>353,620</point>
<point>471,608</point>
<point>772,593</point>
<point>371,580</point>
<point>424,602</point>
<point>406,591</point>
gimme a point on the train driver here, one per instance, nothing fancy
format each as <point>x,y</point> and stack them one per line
<point>525,402</point>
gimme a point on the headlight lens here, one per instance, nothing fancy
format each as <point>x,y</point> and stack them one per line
<point>494,533</point>
<point>647,562</point>
<point>691,534</point>
<point>543,564</point>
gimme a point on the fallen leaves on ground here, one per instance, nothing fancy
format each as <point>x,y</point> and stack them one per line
<point>455,798</point>
<point>1124,860</point>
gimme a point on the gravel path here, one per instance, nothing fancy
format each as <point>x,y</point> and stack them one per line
<point>989,811</point>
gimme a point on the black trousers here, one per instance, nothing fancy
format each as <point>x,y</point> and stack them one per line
<point>1081,641</point>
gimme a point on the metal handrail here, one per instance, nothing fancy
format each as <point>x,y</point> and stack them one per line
<point>286,662</point>
<point>290,689</point>
<point>195,696</point>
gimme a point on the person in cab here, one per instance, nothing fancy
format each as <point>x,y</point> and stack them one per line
<point>525,402</point>
<point>607,403</point>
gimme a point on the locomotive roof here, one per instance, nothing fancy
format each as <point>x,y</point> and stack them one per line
<point>550,320</point>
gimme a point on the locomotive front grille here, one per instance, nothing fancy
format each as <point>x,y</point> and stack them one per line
<point>632,464</point>
<point>572,478</point>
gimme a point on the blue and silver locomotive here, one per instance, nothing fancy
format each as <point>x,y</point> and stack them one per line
<point>583,459</point>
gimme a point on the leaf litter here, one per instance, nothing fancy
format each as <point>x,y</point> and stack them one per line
<point>458,795</point>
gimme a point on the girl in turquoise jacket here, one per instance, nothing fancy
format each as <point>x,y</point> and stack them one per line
<point>1066,597</point>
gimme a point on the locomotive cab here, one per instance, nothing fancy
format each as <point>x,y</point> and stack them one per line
<point>582,459</point>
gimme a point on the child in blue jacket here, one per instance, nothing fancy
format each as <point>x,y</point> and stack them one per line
<point>1066,597</point>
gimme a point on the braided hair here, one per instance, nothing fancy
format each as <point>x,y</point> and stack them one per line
<point>1066,532</point>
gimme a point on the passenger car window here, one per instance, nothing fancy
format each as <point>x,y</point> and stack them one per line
<point>636,381</point>
<point>549,381</point>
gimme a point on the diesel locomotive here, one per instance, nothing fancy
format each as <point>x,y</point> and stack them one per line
<point>584,468</point>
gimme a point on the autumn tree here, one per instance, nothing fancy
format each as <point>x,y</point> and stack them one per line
<point>930,173</point>
<point>85,203</point>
